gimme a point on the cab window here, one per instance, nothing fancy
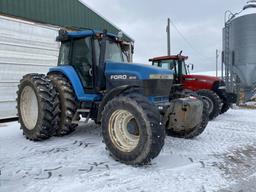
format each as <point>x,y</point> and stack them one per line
<point>167,64</point>
<point>82,60</point>
<point>64,55</point>
<point>113,52</point>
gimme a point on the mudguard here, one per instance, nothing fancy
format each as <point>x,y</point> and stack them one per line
<point>71,74</point>
<point>110,95</point>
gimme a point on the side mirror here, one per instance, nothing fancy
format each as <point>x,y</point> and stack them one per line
<point>190,66</point>
<point>120,35</point>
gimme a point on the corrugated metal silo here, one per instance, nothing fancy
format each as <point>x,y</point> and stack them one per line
<point>239,45</point>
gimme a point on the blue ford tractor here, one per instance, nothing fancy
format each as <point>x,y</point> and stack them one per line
<point>93,80</point>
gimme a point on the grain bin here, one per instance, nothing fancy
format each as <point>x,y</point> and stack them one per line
<point>239,46</point>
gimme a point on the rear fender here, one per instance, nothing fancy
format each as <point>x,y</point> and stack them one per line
<point>71,74</point>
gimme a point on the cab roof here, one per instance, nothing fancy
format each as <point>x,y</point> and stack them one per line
<point>67,35</point>
<point>172,57</point>
<point>86,33</point>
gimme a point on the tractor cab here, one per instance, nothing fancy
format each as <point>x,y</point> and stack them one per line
<point>175,63</point>
<point>193,82</point>
<point>87,52</point>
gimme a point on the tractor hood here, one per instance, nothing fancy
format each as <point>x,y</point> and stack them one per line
<point>197,82</point>
<point>154,82</point>
<point>136,71</point>
<point>204,78</point>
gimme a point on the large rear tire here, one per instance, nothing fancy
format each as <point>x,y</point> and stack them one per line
<point>132,130</point>
<point>38,107</point>
<point>68,104</point>
<point>213,102</point>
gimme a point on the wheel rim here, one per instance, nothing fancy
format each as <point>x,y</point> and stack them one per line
<point>209,103</point>
<point>123,130</point>
<point>29,107</point>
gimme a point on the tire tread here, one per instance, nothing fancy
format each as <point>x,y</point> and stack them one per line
<point>68,104</point>
<point>48,99</point>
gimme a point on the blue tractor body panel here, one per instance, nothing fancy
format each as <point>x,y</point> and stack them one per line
<point>141,71</point>
<point>71,74</point>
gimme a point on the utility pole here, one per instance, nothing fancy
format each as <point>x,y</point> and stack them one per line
<point>168,37</point>
<point>217,59</point>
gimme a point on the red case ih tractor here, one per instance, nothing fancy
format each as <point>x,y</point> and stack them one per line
<point>211,89</point>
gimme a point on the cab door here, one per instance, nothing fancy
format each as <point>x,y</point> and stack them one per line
<point>82,60</point>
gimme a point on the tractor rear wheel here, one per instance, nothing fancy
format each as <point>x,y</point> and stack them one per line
<point>38,107</point>
<point>132,130</point>
<point>68,103</point>
<point>213,102</point>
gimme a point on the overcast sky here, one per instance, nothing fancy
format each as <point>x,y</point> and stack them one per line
<point>199,21</point>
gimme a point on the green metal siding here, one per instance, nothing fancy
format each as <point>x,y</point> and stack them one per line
<point>66,13</point>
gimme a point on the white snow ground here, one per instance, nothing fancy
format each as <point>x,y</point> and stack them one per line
<point>223,158</point>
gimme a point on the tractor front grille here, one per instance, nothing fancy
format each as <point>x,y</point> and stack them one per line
<point>157,87</point>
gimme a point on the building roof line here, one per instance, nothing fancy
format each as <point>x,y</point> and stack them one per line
<point>85,4</point>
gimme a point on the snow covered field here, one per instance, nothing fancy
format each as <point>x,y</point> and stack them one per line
<point>222,159</point>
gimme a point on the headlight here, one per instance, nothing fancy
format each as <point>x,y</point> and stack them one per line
<point>160,76</point>
<point>222,87</point>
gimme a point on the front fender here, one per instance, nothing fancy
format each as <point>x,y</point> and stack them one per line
<point>110,95</point>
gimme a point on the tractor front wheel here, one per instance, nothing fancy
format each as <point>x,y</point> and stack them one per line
<point>132,130</point>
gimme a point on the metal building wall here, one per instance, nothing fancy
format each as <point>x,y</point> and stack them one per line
<point>24,48</point>
<point>27,47</point>
<point>57,12</point>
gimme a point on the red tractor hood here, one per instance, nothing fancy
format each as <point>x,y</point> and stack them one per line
<point>203,77</point>
<point>198,82</point>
